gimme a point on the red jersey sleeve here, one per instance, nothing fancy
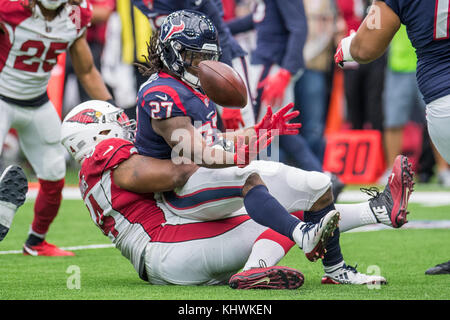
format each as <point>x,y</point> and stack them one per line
<point>13,12</point>
<point>110,153</point>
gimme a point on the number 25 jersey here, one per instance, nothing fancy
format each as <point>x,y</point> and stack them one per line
<point>29,45</point>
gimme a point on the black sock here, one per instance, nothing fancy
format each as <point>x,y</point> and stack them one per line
<point>33,240</point>
<point>333,255</point>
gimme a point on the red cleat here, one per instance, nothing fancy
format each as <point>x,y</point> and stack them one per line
<point>267,278</point>
<point>390,206</point>
<point>45,249</point>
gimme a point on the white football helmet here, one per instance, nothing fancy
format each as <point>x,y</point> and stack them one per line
<point>52,4</point>
<point>91,122</point>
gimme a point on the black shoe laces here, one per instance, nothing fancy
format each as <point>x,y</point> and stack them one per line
<point>373,192</point>
<point>350,268</point>
<point>305,229</point>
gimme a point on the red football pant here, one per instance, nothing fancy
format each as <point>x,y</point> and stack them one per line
<point>47,205</point>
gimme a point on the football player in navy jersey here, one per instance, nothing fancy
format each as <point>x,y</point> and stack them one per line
<point>173,111</point>
<point>428,29</point>
<point>232,53</point>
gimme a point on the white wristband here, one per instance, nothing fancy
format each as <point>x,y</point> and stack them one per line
<point>345,44</point>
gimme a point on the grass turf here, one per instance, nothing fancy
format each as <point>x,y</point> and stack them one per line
<point>401,256</point>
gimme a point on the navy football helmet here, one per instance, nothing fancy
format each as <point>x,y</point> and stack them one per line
<point>187,37</point>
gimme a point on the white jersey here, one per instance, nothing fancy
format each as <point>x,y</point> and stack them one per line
<point>29,45</point>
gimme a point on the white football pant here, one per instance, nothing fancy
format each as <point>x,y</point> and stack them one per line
<point>39,130</point>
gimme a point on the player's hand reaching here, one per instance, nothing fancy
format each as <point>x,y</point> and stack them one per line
<point>274,87</point>
<point>246,153</point>
<point>232,118</point>
<point>343,50</point>
<point>278,124</point>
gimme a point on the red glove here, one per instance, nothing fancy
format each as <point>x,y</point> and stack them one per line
<point>274,87</point>
<point>343,50</point>
<point>247,153</point>
<point>232,118</point>
<point>277,124</point>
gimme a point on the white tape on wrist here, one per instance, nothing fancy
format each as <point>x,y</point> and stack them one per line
<point>345,44</point>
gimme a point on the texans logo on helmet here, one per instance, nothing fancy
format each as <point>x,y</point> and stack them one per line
<point>86,116</point>
<point>174,29</point>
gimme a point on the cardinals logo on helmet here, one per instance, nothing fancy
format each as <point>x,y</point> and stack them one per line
<point>86,116</point>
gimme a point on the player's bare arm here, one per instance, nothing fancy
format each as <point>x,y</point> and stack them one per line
<point>372,38</point>
<point>87,73</point>
<point>180,133</point>
<point>142,174</point>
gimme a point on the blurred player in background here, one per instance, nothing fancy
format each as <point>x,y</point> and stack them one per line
<point>428,29</point>
<point>32,35</point>
<point>232,53</point>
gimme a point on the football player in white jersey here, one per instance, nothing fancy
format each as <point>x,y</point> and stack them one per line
<point>117,186</point>
<point>32,34</point>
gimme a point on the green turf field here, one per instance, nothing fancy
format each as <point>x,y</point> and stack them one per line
<point>402,256</point>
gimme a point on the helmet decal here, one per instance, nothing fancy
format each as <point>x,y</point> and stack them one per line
<point>86,116</point>
<point>174,29</point>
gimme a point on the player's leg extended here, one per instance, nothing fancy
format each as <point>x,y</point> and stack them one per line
<point>40,142</point>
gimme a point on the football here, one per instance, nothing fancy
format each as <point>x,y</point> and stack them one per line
<point>222,84</point>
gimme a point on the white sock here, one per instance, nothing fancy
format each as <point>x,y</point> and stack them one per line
<point>266,250</point>
<point>330,269</point>
<point>7,211</point>
<point>355,215</point>
<point>34,233</point>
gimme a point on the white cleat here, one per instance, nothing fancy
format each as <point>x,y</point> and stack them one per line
<point>313,238</point>
<point>349,275</point>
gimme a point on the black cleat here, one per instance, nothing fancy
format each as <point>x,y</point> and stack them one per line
<point>13,190</point>
<point>443,268</point>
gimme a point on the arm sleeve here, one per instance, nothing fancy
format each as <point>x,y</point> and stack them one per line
<point>294,18</point>
<point>111,152</point>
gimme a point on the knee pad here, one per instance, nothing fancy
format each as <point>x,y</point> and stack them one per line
<point>53,167</point>
<point>318,181</point>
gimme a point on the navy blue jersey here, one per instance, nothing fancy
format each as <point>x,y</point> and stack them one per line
<point>281,30</point>
<point>163,97</point>
<point>157,10</point>
<point>427,24</point>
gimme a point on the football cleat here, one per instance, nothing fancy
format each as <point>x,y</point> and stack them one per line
<point>443,268</point>
<point>312,238</point>
<point>349,275</point>
<point>390,206</point>
<point>267,278</point>
<point>45,249</point>
<point>13,190</point>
